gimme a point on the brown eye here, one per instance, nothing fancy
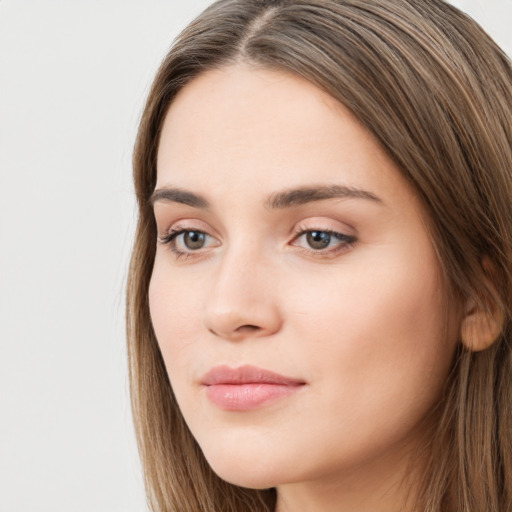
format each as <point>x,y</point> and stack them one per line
<point>318,240</point>
<point>194,240</point>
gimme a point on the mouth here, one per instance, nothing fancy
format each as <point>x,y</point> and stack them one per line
<point>247,387</point>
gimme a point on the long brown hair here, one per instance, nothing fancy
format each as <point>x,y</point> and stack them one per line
<point>436,92</point>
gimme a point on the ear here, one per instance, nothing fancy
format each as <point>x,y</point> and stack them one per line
<point>480,329</point>
<point>484,318</point>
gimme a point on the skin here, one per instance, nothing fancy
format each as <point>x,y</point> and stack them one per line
<point>363,323</point>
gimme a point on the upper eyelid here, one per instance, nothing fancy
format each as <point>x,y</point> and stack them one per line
<point>328,231</point>
<point>186,225</point>
<point>175,232</point>
<point>309,224</point>
<point>324,225</point>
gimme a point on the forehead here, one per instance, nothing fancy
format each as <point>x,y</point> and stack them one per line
<point>250,130</point>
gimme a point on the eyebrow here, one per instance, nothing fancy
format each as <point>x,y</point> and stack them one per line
<point>303,195</point>
<point>178,195</point>
<point>276,201</point>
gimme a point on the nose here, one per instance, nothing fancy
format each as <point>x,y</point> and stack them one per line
<point>242,302</point>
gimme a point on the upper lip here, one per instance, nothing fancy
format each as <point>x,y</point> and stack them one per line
<point>246,375</point>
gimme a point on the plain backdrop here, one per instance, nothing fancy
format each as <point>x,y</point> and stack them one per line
<point>73,79</point>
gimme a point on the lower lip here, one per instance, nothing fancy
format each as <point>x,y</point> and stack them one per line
<point>244,397</point>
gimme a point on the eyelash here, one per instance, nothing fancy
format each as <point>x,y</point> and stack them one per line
<point>345,241</point>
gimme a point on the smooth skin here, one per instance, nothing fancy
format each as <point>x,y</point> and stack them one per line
<point>344,293</point>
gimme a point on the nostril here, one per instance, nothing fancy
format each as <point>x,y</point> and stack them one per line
<point>247,328</point>
<point>243,329</point>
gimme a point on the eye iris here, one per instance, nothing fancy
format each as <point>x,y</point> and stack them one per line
<point>318,239</point>
<point>194,239</point>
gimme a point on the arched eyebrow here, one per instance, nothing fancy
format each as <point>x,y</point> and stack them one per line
<point>276,201</point>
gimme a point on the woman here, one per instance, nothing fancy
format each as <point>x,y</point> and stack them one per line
<point>320,288</point>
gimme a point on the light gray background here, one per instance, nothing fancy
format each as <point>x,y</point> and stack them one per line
<point>73,78</point>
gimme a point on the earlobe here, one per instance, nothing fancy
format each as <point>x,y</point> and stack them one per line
<point>481,327</point>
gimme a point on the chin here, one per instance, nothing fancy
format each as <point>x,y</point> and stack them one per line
<point>253,473</point>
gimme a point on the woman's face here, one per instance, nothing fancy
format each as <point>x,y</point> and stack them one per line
<point>296,295</point>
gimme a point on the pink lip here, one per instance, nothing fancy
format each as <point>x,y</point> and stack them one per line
<point>246,387</point>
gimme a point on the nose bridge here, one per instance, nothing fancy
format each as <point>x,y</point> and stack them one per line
<point>241,300</point>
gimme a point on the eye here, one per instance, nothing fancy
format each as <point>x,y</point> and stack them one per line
<point>187,241</point>
<point>323,242</point>
<point>318,240</point>
<point>193,240</point>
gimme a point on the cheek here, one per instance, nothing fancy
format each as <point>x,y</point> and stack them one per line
<point>378,332</point>
<point>173,307</point>
<point>174,315</point>
<point>174,301</point>
<point>390,301</point>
